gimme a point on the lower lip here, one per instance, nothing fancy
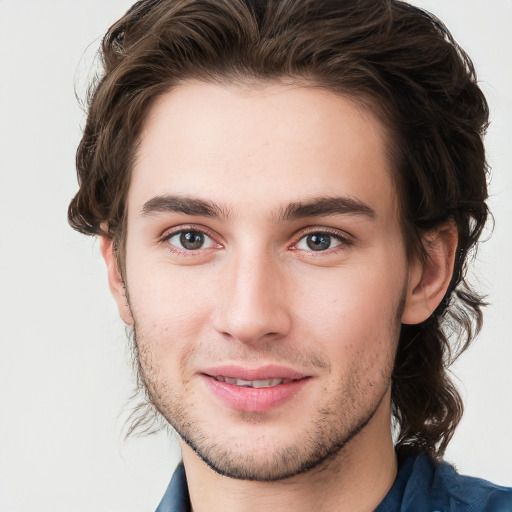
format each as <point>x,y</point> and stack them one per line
<point>253,399</point>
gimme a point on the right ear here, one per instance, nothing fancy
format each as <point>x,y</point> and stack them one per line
<point>115,281</point>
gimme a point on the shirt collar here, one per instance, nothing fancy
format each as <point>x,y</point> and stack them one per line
<point>176,497</point>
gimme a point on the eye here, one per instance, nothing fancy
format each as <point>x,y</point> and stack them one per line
<point>190,240</point>
<point>319,242</point>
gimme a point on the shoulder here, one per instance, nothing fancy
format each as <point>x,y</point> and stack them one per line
<point>469,493</point>
<point>426,485</point>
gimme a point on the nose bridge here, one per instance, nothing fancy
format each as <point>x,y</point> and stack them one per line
<point>254,302</point>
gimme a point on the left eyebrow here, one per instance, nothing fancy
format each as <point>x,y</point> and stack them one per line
<point>325,206</point>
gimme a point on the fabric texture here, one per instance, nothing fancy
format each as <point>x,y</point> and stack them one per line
<point>176,497</point>
<point>422,485</point>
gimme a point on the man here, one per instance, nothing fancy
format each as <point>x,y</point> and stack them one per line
<point>286,194</point>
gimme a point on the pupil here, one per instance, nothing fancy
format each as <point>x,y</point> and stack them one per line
<point>318,242</point>
<point>191,240</point>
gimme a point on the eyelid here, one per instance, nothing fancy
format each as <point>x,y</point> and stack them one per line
<point>342,236</point>
<point>169,233</point>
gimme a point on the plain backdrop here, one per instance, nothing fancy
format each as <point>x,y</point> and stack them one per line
<point>65,373</point>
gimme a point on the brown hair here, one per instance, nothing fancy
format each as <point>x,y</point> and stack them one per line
<point>398,60</point>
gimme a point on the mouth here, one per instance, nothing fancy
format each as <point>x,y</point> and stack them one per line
<point>254,390</point>
<point>260,383</point>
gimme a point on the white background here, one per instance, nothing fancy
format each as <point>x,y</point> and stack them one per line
<point>64,368</point>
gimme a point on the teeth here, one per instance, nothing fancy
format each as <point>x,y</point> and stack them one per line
<point>263,383</point>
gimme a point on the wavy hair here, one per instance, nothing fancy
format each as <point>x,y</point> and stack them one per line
<point>394,59</point>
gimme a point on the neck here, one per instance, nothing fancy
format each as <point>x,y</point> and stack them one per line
<point>356,479</point>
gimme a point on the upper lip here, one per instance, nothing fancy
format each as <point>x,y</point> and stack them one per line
<point>262,373</point>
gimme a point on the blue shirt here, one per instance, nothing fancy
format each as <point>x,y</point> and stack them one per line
<point>422,485</point>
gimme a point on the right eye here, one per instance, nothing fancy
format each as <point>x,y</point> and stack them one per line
<point>190,240</point>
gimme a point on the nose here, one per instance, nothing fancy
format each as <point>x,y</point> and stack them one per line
<point>253,306</point>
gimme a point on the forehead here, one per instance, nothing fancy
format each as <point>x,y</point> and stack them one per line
<point>265,146</point>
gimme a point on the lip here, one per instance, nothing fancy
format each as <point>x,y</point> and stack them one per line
<point>270,371</point>
<point>248,399</point>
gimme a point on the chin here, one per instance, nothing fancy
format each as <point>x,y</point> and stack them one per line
<point>270,461</point>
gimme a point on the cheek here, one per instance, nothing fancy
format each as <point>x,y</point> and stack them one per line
<point>360,299</point>
<point>352,309</point>
<point>357,332</point>
<point>169,306</point>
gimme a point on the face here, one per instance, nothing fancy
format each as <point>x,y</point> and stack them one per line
<point>266,273</point>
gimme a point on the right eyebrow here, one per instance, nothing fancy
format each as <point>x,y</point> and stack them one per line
<point>182,204</point>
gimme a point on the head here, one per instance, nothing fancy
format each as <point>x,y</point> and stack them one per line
<point>407,97</point>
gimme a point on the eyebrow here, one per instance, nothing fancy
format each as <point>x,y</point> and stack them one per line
<point>325,206</point>
<point>183,204</point>
<point>315,207</point>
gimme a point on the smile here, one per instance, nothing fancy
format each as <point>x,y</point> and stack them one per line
<point>254,390</point>
<point>261,383</point>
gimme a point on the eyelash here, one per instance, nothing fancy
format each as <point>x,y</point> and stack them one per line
<point>166,237</point>
<point>344,240</point>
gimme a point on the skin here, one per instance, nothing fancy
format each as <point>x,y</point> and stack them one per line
<point>255,293</point>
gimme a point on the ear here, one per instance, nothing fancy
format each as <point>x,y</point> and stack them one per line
<point>429,279</point>
<point>115,281</point>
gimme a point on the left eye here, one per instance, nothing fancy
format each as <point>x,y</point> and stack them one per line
<point>318,242</point>
<point>190,240</point>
